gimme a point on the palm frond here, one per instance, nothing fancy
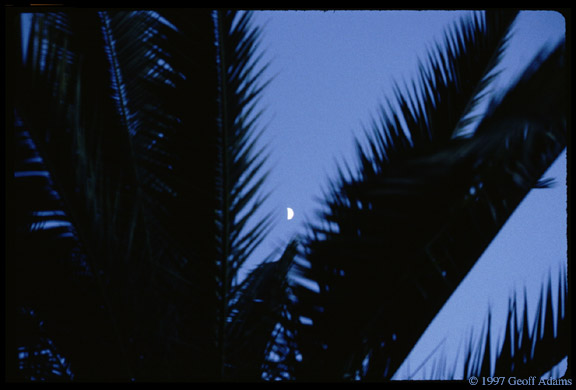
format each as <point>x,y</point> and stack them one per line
<point>89,152</point>
<point>526,349</point>
<point>227,143</point>
<point>148,125</point>
<point>452,82</point>
<point>38,357</point>
<point>256,315</point>
<point>422,208</point>
<point>52,282</point>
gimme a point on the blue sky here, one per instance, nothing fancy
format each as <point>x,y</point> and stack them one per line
<point>331,71</point>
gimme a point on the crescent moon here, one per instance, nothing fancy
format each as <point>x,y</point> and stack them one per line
<point>290,213</point>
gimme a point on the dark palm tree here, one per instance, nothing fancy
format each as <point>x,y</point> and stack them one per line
<point>138,171</point>
<point>147,125</point>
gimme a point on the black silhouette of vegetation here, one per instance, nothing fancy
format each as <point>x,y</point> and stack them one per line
<point>135,170</point>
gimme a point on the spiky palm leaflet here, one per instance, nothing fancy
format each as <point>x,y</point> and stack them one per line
<point>525,350</point>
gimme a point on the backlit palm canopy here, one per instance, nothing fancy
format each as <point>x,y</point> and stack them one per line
<point>138,174</point>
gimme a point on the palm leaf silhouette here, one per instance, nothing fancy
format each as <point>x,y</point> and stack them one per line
<point>525,350</point>
<point>148,126</point>
<point>427,200</point>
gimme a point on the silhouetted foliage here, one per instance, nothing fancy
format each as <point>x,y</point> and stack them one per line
<point>137,172</point>
<point>399,235</point>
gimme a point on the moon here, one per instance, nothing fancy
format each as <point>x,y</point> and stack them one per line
<point>290,213</point>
